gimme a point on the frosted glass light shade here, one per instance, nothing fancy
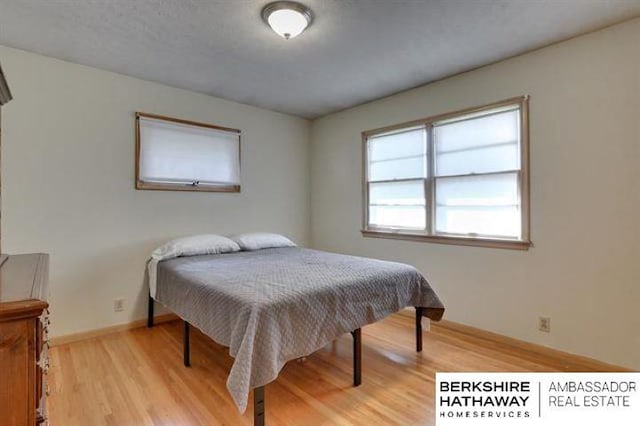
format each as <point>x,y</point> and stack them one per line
<point>286,18</point>
<point>287,23</point>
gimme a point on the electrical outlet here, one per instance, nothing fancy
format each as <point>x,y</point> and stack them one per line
<point>544,324</point>
<point>118,305</point>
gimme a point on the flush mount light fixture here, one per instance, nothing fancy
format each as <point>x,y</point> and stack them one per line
<point>287,18</point>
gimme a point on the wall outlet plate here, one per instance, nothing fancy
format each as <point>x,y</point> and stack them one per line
<point>118,305</point>
<point>544,324</point>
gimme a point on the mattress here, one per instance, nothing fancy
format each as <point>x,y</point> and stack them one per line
<point>273,305</point>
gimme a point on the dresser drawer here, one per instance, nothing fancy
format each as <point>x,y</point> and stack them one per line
<point>24,325</point>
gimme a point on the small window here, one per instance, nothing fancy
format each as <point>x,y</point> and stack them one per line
<point>181,155</point>
<point>459,178</point>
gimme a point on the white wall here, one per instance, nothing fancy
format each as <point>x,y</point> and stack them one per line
<point>68,189</point>
<point>584,270</point>
<point>68,182</point>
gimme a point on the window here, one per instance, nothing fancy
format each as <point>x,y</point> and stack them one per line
<point>458,178</point>
<point>180,155</point>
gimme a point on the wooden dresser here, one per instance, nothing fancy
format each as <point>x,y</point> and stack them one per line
<point>24,324</point>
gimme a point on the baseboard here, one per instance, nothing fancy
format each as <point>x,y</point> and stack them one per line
<point>463,329</point>
<point>533,348</point>
<point>84,335</point>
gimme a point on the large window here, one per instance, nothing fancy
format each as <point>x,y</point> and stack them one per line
<point>180,155</point>
<point>459,178</point>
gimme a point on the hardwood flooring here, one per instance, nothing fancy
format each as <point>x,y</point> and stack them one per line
<point>136,377</point>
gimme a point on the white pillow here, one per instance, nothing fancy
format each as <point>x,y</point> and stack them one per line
<point>187,246</point>
<point>261,240</point>
<point>195,245</point>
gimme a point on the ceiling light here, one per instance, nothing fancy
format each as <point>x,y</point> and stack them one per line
<point>287,18</point>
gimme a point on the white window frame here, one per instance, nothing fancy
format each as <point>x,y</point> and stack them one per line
<point>430,235</point>
<point>168,186</point>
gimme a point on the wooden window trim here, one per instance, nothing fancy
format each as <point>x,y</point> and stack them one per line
<point>442,239</point>
<point>429,236</point>
<point>142,185</point>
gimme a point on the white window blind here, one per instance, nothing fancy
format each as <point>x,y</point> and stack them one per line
<point>477,175</point>
<point>456,177</point>
<point>397,168</point>
<point>184,154</point>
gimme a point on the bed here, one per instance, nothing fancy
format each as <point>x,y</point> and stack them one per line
<point>274,305</point>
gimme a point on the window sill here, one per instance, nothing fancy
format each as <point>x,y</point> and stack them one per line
<point>439,239</point>
<point>177,187</point>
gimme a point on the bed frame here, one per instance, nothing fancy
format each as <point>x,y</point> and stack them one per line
<point>258,393</point>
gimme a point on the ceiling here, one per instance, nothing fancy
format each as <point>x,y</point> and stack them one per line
<point>355,50</point>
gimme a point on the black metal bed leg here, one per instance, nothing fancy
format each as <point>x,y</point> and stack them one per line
<point>187,349</point>
<point>419,329</point>
<point>150,313</point>
<point>357,356</point>
<point>258,406</point>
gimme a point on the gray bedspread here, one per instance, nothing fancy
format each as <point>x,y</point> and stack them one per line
<point>274,305</point>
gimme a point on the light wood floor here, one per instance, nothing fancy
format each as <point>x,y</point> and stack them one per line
<point>136,377</point>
